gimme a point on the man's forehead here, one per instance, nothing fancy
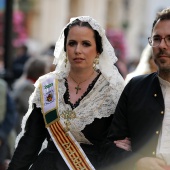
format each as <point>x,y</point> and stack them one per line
<point>162,27</point>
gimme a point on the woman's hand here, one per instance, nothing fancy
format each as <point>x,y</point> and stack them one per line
<point>124,144</point>
<point>149,163</point>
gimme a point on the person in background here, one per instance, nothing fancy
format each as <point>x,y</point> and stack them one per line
<point>49,56</point>
<point>24,86</point>
<point>146,64</point>
<point>49,51</point>
<point>73,106</point>
<point>117,40</point>
<point>20,59</point>
<point>1,60</point>
<point>143,111</point>
<point>8,116</point>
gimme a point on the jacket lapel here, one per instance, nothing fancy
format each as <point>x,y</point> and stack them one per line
<point>157,91</point>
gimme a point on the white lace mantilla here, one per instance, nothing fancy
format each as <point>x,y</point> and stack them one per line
<point>107,58</point>
<point>99,102</point>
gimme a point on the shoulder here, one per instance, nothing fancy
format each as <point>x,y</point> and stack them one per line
<point>144,78</point>
<point>142,83</point>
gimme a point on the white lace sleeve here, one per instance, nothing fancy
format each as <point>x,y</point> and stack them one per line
<point>36,97</point>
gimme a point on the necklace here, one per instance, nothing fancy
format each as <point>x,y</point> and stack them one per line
<point>78,84</point>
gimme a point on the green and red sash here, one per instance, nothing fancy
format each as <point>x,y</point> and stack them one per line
<point>69,148</point>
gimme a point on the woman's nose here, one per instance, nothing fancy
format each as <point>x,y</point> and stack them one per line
<point>78,49</point>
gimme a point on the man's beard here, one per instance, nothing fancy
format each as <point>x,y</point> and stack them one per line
<point>162,69</point>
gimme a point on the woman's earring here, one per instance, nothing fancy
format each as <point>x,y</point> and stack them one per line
<point>65,61</point>
<point>95,63</point>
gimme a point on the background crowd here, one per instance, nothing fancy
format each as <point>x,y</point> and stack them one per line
<point>14,96</point>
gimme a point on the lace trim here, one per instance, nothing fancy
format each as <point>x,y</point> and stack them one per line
<point>98,103</point>
<point>67,95</point>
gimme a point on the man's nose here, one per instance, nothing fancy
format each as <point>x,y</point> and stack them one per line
<point>163,43</point>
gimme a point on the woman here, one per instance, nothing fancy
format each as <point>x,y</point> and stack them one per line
<point>76,103</point>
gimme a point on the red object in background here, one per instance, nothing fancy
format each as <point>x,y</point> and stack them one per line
<point>117,40</point>
<point>19,29</point>
<point>166,167</point>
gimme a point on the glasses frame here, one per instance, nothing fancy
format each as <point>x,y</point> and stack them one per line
<point>150,41</point>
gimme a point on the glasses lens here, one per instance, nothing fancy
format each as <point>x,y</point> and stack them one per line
<point>167,40</point>
<point>156,41</point>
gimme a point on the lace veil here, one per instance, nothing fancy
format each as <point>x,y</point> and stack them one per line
<point>107,58</point>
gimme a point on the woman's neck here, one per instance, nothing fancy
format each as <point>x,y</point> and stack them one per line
<point>79,76</point>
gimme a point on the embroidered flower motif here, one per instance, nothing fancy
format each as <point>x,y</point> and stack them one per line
<point>49,97</point>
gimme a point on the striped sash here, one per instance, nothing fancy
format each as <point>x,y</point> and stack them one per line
<point>69,148</point>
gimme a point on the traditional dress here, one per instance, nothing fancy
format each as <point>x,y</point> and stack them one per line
<point>94,113</point>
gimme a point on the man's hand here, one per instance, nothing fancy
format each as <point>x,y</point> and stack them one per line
<point>124,144</point>
<point>149,163</point>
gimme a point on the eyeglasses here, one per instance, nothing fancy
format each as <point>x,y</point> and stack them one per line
<point>155,41</point>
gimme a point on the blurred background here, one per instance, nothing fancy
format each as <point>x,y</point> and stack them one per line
<point>37,24</point>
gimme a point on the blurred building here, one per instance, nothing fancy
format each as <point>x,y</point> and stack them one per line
<point>44,19</point>
<point>47,18</point>
<point>134,17</point>
<point>140,18</point>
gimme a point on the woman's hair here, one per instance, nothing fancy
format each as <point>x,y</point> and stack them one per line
<point>97,37</point>
<point>163,15</point>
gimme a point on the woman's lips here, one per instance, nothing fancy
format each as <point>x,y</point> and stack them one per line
<point>78,59</point>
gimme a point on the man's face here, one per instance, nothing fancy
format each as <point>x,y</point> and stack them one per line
<point>161,53</point>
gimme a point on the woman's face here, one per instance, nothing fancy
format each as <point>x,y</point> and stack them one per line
<point>81,47</point>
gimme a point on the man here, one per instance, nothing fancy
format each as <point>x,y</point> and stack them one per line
<point>21,58</point>
<point>143,111</point>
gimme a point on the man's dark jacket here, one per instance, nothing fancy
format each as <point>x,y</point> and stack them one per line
<point>139,115</point>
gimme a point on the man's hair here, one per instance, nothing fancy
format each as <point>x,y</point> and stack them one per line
<point>162,15</point>
<point>97,37</point>
<point>35,67</point>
